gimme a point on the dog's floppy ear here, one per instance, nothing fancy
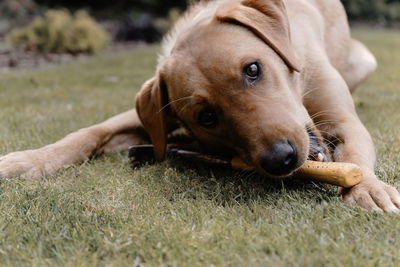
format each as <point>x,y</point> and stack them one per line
<point>268,20</point>
<point>150,103</point>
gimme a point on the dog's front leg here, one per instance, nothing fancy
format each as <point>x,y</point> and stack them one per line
<point>116,133</point>
<point>333,109</point>
<point>355,145</point>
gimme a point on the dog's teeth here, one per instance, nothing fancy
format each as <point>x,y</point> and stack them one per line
<point>320,157</point>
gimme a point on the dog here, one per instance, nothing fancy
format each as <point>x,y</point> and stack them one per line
<point>259,79</point>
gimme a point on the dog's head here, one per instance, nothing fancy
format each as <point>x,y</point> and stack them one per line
<point>233,81</point>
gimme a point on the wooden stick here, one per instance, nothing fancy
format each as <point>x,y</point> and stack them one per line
<point>336,173</point>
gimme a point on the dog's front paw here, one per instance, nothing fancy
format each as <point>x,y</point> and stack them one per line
<point>29,164</point>
<point>373,195</point>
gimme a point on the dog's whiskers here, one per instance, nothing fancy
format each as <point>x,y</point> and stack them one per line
<point>331,141</point>
<point>320,113</point>
<point>316,115</point>
<point>309,92</point>
<point>174,101</point>
<point>185,106</point>
<point>324,122</point>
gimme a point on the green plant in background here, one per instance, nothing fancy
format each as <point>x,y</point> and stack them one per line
<point>58,31</point>
<point>166,23</point>
<point>385,12</point>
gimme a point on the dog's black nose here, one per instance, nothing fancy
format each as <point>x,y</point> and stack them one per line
<point>281,159</point>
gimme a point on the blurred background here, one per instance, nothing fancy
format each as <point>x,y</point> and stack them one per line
<point>36,32</point>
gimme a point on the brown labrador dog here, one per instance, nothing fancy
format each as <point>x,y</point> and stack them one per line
<point>257,78</point>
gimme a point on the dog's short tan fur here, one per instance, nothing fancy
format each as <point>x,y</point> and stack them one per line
<point>310,66</point>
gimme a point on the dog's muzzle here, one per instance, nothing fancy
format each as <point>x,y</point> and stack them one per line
<point>281,159</point>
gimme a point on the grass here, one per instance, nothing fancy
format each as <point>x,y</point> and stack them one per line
<point>174,214</point>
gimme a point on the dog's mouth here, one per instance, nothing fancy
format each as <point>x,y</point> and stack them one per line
<point>317,150</point>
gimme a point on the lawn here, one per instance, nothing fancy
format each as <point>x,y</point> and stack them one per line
<point>102,212</point>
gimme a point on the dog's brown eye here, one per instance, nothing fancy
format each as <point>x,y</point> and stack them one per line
<point>208,118</point>
<point>252,71</point>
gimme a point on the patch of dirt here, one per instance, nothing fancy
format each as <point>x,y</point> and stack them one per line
<point>11,59</point>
